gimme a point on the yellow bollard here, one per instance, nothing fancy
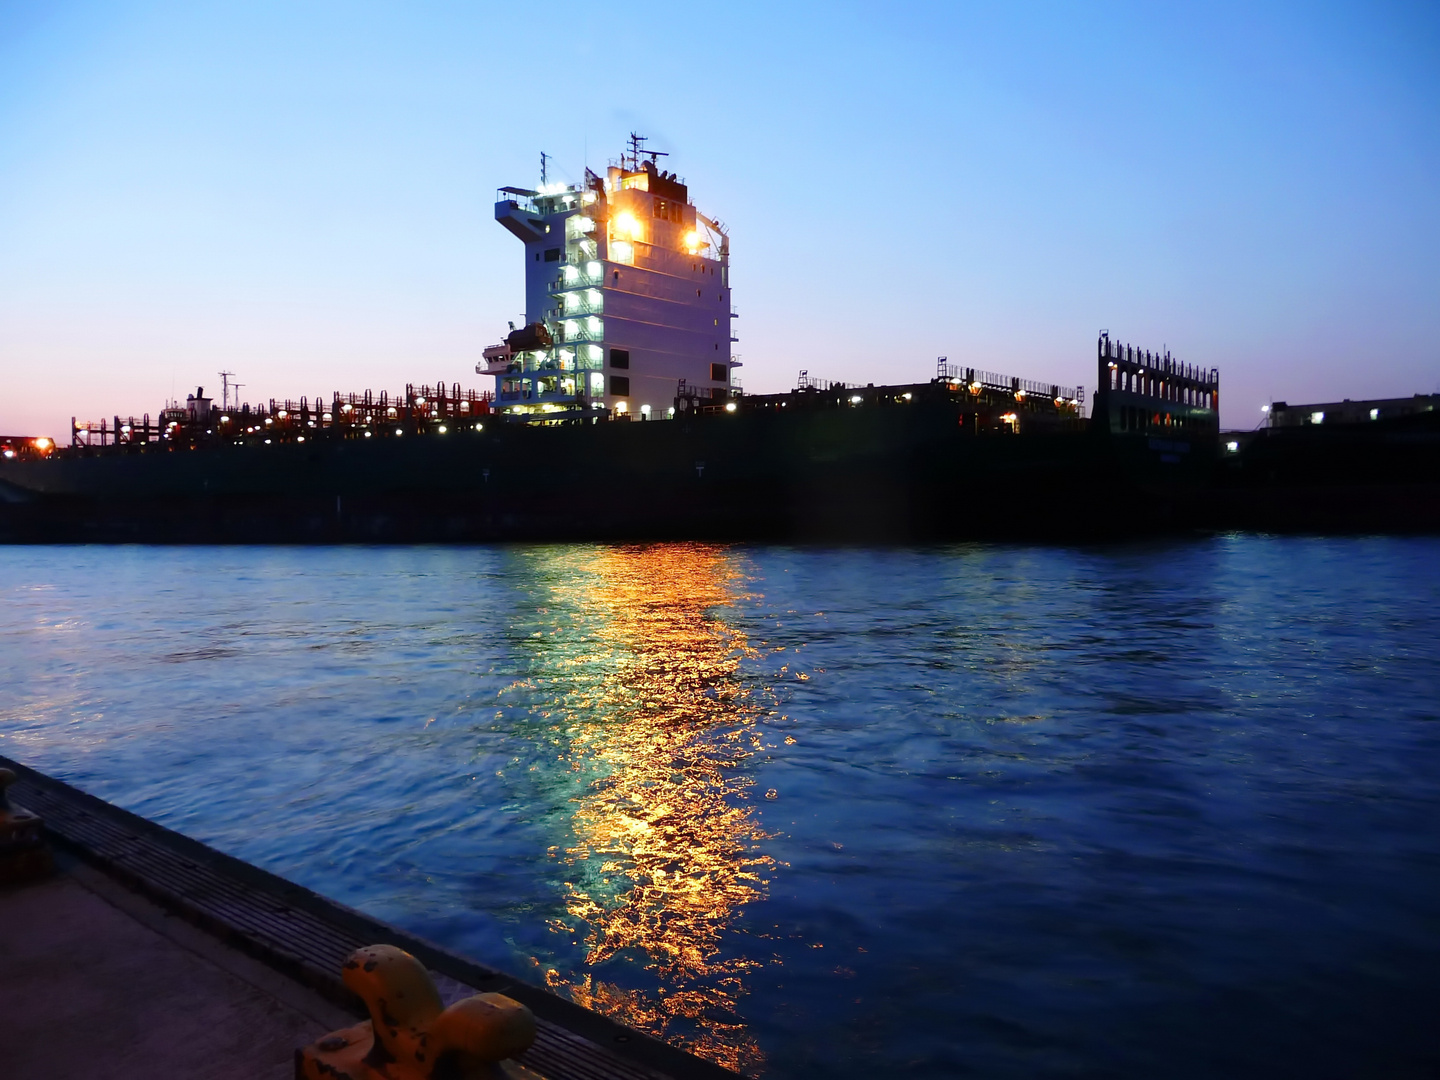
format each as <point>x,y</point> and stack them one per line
<point>23,854</point>
<point>409,1036</point>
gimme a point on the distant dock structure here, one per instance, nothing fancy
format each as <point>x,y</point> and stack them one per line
<point>1283,415</point>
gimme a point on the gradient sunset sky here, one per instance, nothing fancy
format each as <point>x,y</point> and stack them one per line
<point>302,192</point>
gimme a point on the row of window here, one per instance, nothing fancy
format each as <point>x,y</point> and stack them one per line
<point>620,384</point>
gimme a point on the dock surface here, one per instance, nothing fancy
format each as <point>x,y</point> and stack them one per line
<point>147,939</point>
<point>99,981</point>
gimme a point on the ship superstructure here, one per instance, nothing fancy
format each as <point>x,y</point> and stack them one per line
<point>627,296</point>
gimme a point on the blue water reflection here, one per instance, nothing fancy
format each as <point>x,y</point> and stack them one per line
<point>992,810</point>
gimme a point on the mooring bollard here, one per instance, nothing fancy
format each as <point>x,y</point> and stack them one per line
<point>23,854</point>
<point>410,1036</point>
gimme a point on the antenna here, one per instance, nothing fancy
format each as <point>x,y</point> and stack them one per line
<point>236,388</point>
<point>637,150</point>
<point>225,388</point>
<point>544,172</point>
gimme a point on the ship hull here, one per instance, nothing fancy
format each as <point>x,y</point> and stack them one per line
<point>877,474</point>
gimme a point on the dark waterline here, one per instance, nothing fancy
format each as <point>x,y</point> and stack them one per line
<point>1166,809</point>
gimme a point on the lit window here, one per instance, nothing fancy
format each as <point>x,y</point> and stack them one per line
<point>1374,414</point>
<point>1317,418</point>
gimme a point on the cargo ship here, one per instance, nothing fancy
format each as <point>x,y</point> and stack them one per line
<point>615,412</point>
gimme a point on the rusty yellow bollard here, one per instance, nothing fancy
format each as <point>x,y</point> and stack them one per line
<point>23,854</point>
<point>409,1036</point>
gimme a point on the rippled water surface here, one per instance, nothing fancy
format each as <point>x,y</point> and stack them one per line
<point>1164,810</point>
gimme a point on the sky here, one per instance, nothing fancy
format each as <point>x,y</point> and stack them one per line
<point>302,193</point>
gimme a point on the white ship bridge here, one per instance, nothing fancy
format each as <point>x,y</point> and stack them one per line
<point>627,296</point>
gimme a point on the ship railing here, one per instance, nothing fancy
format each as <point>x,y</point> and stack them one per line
<point>517,199</point>
<point>992,380</point>
<point>806,381</point>
<point>1161,364</point>
<point>575,363</point>
<point>581,279</point>
<point>584,307</point>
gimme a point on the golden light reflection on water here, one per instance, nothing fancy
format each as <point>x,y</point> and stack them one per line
<point>665,847</point>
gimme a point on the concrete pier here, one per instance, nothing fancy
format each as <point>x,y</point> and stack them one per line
<point>95,980</point>
<point>150,954</point>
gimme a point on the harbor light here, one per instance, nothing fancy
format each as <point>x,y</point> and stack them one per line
<point>399,431</point>
<point>1232,447</point>
<point>729,406</point>
<point>43,443</point>
<point>856,399</point>
<point>442,429</point>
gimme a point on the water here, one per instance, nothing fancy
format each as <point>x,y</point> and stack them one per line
<point>992,811</point>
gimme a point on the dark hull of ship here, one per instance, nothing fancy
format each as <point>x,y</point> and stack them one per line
<point>914,474</point>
